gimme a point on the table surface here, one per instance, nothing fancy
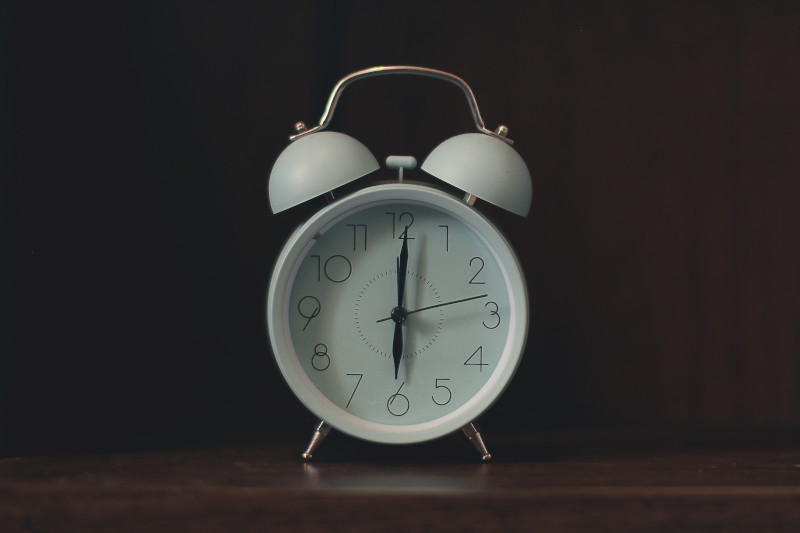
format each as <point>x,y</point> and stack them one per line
<point>564,482</point>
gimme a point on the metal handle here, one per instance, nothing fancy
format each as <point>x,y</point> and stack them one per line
<point>330,107</point>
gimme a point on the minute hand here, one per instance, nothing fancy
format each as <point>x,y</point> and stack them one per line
<point>438,305</point>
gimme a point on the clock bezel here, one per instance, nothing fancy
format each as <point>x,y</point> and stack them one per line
<point>277,309</point>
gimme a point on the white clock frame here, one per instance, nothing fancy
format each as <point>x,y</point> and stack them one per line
<point>278,309</point>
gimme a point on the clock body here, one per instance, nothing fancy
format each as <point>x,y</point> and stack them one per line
<point>330,302</point>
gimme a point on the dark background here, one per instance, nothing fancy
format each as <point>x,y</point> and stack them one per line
<point>661,251</point>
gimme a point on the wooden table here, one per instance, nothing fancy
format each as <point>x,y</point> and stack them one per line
<point>562,482</point>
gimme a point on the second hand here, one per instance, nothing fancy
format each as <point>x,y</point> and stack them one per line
<point>437,305</point>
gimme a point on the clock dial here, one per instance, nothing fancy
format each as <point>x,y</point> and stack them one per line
<point>402,309</point>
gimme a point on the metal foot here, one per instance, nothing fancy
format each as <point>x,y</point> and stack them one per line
<point>475,438</point>
<point>321,431</point>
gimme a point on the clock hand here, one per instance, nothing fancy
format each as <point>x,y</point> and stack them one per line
<point>432,307</point>
<point>402,266</point>
<point>398,313</point>
<point>397,346</point>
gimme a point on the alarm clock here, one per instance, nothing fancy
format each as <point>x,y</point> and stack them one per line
<point>398,313</point>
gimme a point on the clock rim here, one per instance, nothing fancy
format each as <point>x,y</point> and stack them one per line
<point>280,338</point>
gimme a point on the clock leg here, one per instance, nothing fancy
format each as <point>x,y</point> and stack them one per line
<point>321,431</point>
<point>475,438</point>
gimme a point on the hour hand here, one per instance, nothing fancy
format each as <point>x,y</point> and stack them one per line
<point>397,346</point>
<point>397,315</point>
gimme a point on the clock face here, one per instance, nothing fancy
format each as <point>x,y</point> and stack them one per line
<point>397,314</point>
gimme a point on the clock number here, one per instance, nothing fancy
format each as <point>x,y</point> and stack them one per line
<point>398,404</point>
<point>308,310</point>
<point>480,364</point>
<point>320,360</point>
<point>337,268</point>
<point>360,376</point>
<point>492,313</point>
<point>479,262</point>
<point>446,236</point>
<point>449,392</point>
<point>355,231</point>
<point>409,221</point>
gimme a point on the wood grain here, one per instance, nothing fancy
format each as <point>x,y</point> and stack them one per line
<point>567,483</point>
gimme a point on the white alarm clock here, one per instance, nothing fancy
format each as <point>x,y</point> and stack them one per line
<point>398,313</point>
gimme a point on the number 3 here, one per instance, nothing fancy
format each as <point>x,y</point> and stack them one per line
<point>494,313</point>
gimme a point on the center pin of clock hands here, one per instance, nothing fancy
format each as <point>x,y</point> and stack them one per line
<point>399,313</point>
